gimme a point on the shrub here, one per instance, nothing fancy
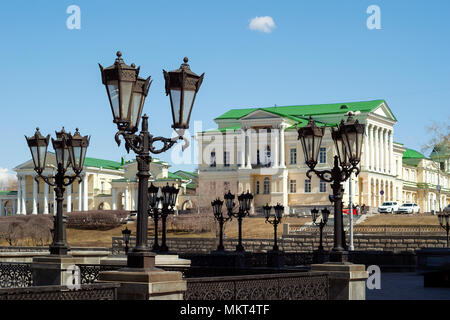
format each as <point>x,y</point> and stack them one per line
<point>96,219</point>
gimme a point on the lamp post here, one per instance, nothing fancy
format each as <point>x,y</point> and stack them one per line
<point>126,93</point>
<point>126,233</point>
<point>168,207</point>
<point>444,222</point>
<point>245,200</point>
<point>275,221</point>
<point>70,151</point>
<point>154,203</point>
<point>321,224</point>
<point>348,140</point>
<point>218,215</point>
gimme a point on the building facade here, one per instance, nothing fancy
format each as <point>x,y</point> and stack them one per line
<point>106,185</point>
<point>257,149</point>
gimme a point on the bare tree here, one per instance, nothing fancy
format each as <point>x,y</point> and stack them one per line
<point>438,147</point>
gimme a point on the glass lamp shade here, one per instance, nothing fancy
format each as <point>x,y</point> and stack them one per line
<point>314,213</point>
<point>217,208</point>
<point>325,214</point>
<point>126,233</point>
<point>153,195</point>
<point>229,197</point>
<point>77,150</point>
<point>38,147</point>
<point>353,135</point>
<point>245,200</point>
<point>310,137</point>
<point>173,196</point>
<point>62,149</point>
<point>126,92</point>
<point>279,210</point>
<point>182,86</point>
<point>166,192</point>
<point>267,210</point>
<point>340,147</point>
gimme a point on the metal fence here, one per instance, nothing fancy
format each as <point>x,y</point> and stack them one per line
<point>418,230</point>
<point>287,286</point>
<point>15,275</point>
<point>99,291</point>
<point>89,272</point>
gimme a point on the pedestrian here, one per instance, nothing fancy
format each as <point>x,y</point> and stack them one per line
<point>363,209</point>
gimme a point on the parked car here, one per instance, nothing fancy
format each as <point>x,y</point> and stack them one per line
<point>388,207</point>
<point>409,208</point>
<point>447,209</point>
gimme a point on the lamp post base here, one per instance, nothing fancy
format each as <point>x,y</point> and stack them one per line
<point>338,256</point>
<point>59,250</point>
<point>141,260</point>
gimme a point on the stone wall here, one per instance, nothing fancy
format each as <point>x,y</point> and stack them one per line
<point>303,243</point>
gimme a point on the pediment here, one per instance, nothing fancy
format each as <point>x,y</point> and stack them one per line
<point>384,111</point>
<point>260,114</point>
<point>27,165</point>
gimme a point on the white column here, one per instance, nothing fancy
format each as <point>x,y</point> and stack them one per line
<point>275,153</point>
<point>243,155</point>
<point>114,199</point>
<point>132,198</point>
<point>372,149</point>
<point>45,198</point>
<point>249,148</point>
<point>382,150</point>
<point>377,149</point>
<point>35,187</point>
<point>19,195</point>
<point>391,152</point>
<point>24,195</point>
<point>127,200</point>
<point>369,193</point>
<point>366,148</point>
<point>386,152</point>
<point>69,198</point>
<point>282,153</point>
<point>136,196</point>
<point>80,196</point>
<point>85,192</point>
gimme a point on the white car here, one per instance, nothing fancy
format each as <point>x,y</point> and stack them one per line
<point>409,208</point>
<point>388,207</point>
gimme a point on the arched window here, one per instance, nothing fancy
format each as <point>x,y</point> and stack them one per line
<point>213,158</point>
<point>257,187</point>
<point>266,185</point>
<point>268,154</point>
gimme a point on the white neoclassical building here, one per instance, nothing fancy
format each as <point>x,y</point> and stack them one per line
<point>105,185</point>
<point>257,149</point>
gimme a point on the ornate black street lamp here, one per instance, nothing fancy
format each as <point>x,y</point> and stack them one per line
<point>169,200</point>
<point>126,93</point>
<point>348,139</point>
<point>70,151</point>
<point>444,222</point>
<point>218,215</point>
<point>126,233</point>
<point>275,221</point>
<point>245,200</point>
<point>154,203</point>
<point>322,223</point>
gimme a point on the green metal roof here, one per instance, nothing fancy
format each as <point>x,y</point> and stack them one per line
<point>100,163</point>
<point>413,154</point>
<point>187,173</point>
<point>302,111</point>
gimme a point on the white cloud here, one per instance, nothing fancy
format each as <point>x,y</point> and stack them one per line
<point>263,24</point>
<point>7,178</point>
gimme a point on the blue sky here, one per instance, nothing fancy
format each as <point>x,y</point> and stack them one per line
<point>319,52</point>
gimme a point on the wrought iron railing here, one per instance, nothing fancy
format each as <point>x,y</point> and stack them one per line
<point>89,272</point>
<point>99,291</point>
<point>285,286</point>
<point>15,275</point>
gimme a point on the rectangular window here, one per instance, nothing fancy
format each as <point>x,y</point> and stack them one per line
<point>226,159</point>
<point>293,186</point>
<point>322,186</point>
<point>323,155</point>
<point>293,156</point>
<point>307,186</point>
